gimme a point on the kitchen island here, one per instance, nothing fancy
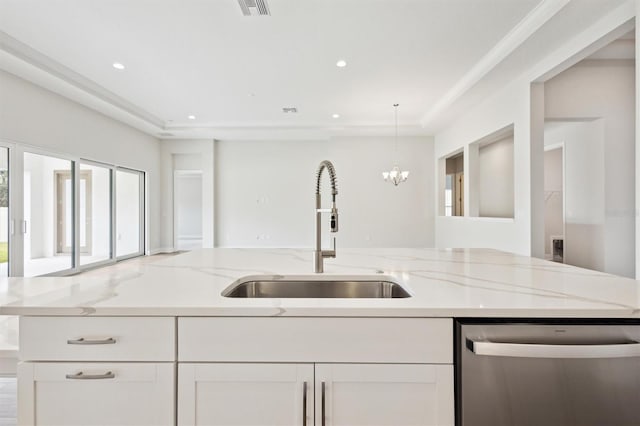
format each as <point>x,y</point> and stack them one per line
<point>163,346</point>
<point>443,283</point>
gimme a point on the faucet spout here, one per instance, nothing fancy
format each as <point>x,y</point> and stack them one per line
<point>332,175</point>
<point>318,253</point>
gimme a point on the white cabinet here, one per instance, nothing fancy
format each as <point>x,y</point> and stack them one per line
<point>245,394</point>
<point>235,371</point>
<point>221,394</point>
<point>309,339</point>
<point>97,371</point>
<point>375,371</point>
<point>87,394</point>
<point>384,394</point>
<point>98,338</point>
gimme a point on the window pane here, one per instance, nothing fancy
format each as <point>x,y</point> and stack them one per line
<point>4,212</point>
<point>128,226</point>
<point>95,213</point>
<point>68,218</point>
<point>48,211</point>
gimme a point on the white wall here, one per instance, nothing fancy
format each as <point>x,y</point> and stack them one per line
<point>187,155</point>
<point>188,198</point>
<point>265,192</point>
<point>34,116</point>
<point>585,192</point>
<point>604,89</point>
<point>520,103</point>
<point>495,179</point>
<point>510,106</point>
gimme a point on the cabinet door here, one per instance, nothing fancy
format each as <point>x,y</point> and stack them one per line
<point>245,394</point>
<point>384,394</point>
<point>95,394</point>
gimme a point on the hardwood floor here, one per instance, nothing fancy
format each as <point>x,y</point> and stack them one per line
<point>8,401</point>
<point>8,385</point>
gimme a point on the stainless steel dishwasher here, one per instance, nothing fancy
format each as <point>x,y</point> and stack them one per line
<point>530,373</point>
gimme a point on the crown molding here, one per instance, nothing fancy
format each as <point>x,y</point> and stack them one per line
<point>121,111</point>
<point>284,133</point>
<point>531,23</point>
<point>27,63</point>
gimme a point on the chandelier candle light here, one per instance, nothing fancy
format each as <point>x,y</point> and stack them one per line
<point>396,176</point>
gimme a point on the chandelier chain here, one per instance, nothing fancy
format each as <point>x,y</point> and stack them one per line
<point>395,107</point>
<point>395,175</point>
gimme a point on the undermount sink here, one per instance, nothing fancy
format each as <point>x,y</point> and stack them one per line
<point>314,286</point>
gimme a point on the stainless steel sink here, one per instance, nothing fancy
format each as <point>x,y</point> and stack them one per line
<point>314,286</point>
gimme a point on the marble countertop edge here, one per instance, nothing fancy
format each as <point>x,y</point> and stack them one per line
<point>445,283</point>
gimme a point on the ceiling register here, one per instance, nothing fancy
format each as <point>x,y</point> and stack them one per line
<point>254,7</point>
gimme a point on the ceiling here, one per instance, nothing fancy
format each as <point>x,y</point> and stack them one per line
<point>236,73</point>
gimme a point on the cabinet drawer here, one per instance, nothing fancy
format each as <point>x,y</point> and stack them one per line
<point>109,394</point>
<point>375,340</point>
<point>97,339</point>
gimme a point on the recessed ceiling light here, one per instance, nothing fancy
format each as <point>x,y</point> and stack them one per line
<point>118,66</point>
<point>336,115</point>
<point>191,117</point>
<point>341,63</point>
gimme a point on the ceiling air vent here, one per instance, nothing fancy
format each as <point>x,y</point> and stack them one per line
<point>165,134</point>
<point>254,7</point>
<point>290,110</point>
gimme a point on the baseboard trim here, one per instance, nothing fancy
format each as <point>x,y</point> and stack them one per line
<point>162,250</point>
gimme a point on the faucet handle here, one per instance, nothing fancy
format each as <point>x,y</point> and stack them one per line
<point>330,253</point>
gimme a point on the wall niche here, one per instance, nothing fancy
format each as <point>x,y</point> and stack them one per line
<point>491,189</point>
<point>453,185</point>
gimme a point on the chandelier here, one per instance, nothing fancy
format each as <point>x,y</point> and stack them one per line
<point>396,175</point>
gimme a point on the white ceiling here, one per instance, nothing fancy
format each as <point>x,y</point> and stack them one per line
<point>203,57</point>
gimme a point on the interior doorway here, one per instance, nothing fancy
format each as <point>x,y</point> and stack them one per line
<point>187,198</point>
<point>590,107</point>
<point>554,232</point>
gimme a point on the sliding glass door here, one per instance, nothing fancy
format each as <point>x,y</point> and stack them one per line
<point>66,213</point>
<point>129,196</point>
<point>4,211</point>
<point>94,210</point>
<point>48,225</point>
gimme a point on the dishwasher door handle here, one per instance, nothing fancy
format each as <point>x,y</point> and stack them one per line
<point>531,350</point>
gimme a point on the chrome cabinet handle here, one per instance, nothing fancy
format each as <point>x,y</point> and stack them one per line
<point>81,376</point>
<point>529,350</point>
<point>323,405</point>
<point>83,341</point>
<point>304,404</point>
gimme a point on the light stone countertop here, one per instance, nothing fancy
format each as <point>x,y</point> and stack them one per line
<point>443,283</point>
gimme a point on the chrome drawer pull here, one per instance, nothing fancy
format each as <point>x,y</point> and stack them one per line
<point>525,350</point>
<point>324,417</point>
<point>304,404</point>
<point>83,341</point>
<point>81,376</point>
